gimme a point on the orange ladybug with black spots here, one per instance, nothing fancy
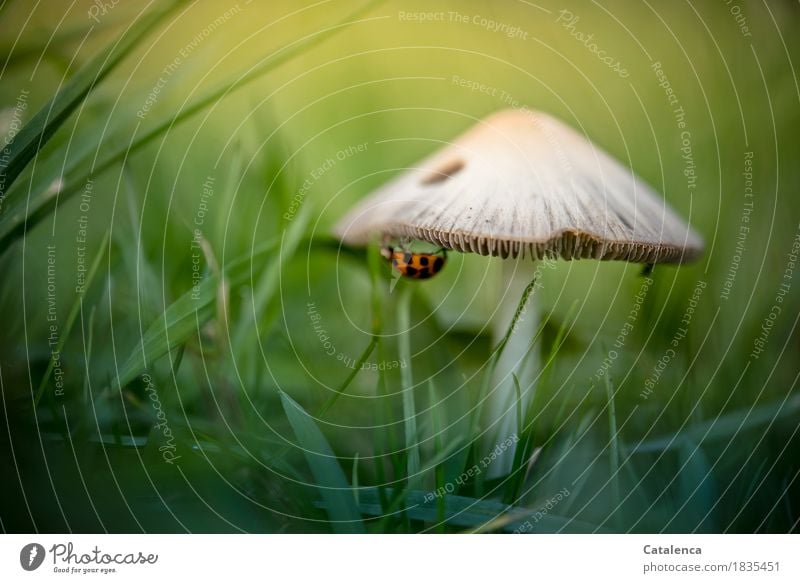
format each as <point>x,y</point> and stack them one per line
<point>415,265</point>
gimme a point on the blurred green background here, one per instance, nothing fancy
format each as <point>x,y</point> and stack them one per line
<point>260,124</point>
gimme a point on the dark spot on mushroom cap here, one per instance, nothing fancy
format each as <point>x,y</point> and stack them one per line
<point>444,171</point>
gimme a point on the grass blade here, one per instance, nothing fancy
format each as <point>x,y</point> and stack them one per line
<point>87,351</point>
<point>498,352</point>
<point>530,431</point>
<point>356,369</point>
<point>354,479</point>
<point>407,383</point>
<point>518,406</point>
<point>613,444</point>
<point>267,284</point>
<point>475,513</point>
<point>723,426</point>
<point>72,316</point>
<point>32,138</point>
<point>696,490</point>
<point>438,429</point>
<point>27,213</point>
<point>476,413</point>
<point>337,494</point>
<point>182,319</point>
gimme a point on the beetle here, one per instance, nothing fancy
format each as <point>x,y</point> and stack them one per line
<point>414,265</point>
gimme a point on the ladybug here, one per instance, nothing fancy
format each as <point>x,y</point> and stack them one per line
<point>414,265</point>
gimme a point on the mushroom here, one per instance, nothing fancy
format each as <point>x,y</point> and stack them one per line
<point>521,184</point>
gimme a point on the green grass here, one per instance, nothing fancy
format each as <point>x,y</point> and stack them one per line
<point>363,414</point>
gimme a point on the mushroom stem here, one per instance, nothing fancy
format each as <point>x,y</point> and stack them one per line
<point>517,360</point>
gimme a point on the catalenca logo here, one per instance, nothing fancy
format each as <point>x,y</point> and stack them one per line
<point>31,556</point>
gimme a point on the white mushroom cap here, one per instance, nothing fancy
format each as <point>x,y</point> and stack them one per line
<point>521,183</point>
